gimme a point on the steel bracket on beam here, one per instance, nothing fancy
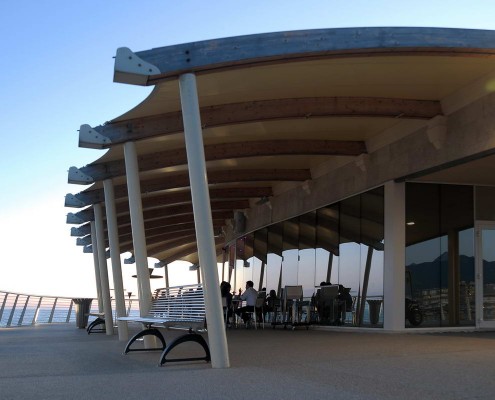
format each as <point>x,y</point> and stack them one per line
<point>74,219</point>
<point>90,138</point>
<point>130,260</point>
<point>78,177</point>
<point>73,201</point>
<point>131,69</point>
<point>88,249</point>
<point>76,232</point>
<point>83,241</point>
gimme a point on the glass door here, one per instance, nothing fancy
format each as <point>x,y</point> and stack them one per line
<point>485,274</point>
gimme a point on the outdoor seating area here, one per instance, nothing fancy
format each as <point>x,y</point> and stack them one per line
<point>330,305</point>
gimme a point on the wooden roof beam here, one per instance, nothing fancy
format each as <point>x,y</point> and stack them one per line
<point>266,110</point>
<point>181,180</point>
<point>222,151</point>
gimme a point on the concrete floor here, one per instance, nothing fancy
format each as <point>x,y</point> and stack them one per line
<point>63,362</point>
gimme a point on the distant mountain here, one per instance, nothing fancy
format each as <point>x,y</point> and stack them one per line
<point>434,274</point>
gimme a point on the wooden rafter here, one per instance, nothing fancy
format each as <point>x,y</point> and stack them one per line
<point>266,110</point>
<point>223,151</point>
<point>181,180</point>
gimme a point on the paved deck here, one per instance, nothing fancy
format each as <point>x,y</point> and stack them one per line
<point>63,362</point>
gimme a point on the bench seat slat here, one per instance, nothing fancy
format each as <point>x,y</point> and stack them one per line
<point>183,305</point>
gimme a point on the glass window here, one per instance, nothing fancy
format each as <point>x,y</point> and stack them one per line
<point>439,221</point>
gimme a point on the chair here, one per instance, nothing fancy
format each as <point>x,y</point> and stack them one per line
<point>225,311</point>
<point>327,303</point>
<point>258,308</point>
<point>292,294</point>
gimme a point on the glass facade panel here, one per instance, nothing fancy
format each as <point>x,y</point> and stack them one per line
<point>274,258</point>
<point>439,255</point>
<point>307,253</point>
<point>260,251</point>
<point>488,257</point>
<point>340,244</point>
<point>290,252</point>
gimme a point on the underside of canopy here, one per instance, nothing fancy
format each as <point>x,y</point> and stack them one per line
<point>281,113</point>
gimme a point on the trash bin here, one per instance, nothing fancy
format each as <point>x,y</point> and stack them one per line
<point>374,306</point>
<point>83,306</point>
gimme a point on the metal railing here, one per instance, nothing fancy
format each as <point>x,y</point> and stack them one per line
<point>17,309</point>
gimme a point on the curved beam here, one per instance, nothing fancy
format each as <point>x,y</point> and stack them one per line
<point>194,259</point>
<point>266,110</point>
<point>223,151</point>
<point>183,209</point>
<point>181,180</point>
<point>278,47</point>
<point>172,244</point>
<point>165,233</point>
<point>173,254</point>
<point>162,223</point>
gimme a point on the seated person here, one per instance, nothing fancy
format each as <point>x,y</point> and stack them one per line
<point>225,292</point>
<point>328,304</point>
<point>345,302</point>
<point>271,302</point>
<point>249,296</point>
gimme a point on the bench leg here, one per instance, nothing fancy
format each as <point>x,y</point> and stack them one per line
<point>188,337</point>
<point>95,323</point>
<point>145,332</point>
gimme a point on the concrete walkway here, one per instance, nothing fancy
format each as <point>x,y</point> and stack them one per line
<point>63,362</point>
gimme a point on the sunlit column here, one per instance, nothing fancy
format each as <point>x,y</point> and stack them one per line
<point>202,220</point>
<point>138,234</point>
<point>137,224</point>
<point>167,282</point>
<point>113,240</point>
<point>394,257</point>
<point>105,285</point>
<point>94,248</point>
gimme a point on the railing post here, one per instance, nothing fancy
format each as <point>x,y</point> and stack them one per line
<point>12,311</point>
<point>3,306</point>
<point>35,316</point>
<point>70,311</point>
<point>21,318</point>
<point>53,310</point>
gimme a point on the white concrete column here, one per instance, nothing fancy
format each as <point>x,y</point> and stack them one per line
<point>394,257</point>
<point>105,285</point>
<point>202,220</point>
<point>94,247</point>
<point>113,240</point>
<point>137,225</point>
<point>167,282</point>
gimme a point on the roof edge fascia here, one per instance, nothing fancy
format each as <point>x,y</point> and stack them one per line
<point>152,66</point>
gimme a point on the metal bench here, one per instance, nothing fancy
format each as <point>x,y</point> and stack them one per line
<point>181,307</point>
<point>100,320</point>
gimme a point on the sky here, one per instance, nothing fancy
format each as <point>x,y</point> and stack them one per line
<point>56,70</point>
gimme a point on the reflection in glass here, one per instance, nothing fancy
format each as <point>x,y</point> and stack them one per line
<point>290,253</point>
<point>488,256</point>
<point>340,244</point>
<point>439,252</point>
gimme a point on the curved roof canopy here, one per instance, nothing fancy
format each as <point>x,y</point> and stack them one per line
<point>278,111</point>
